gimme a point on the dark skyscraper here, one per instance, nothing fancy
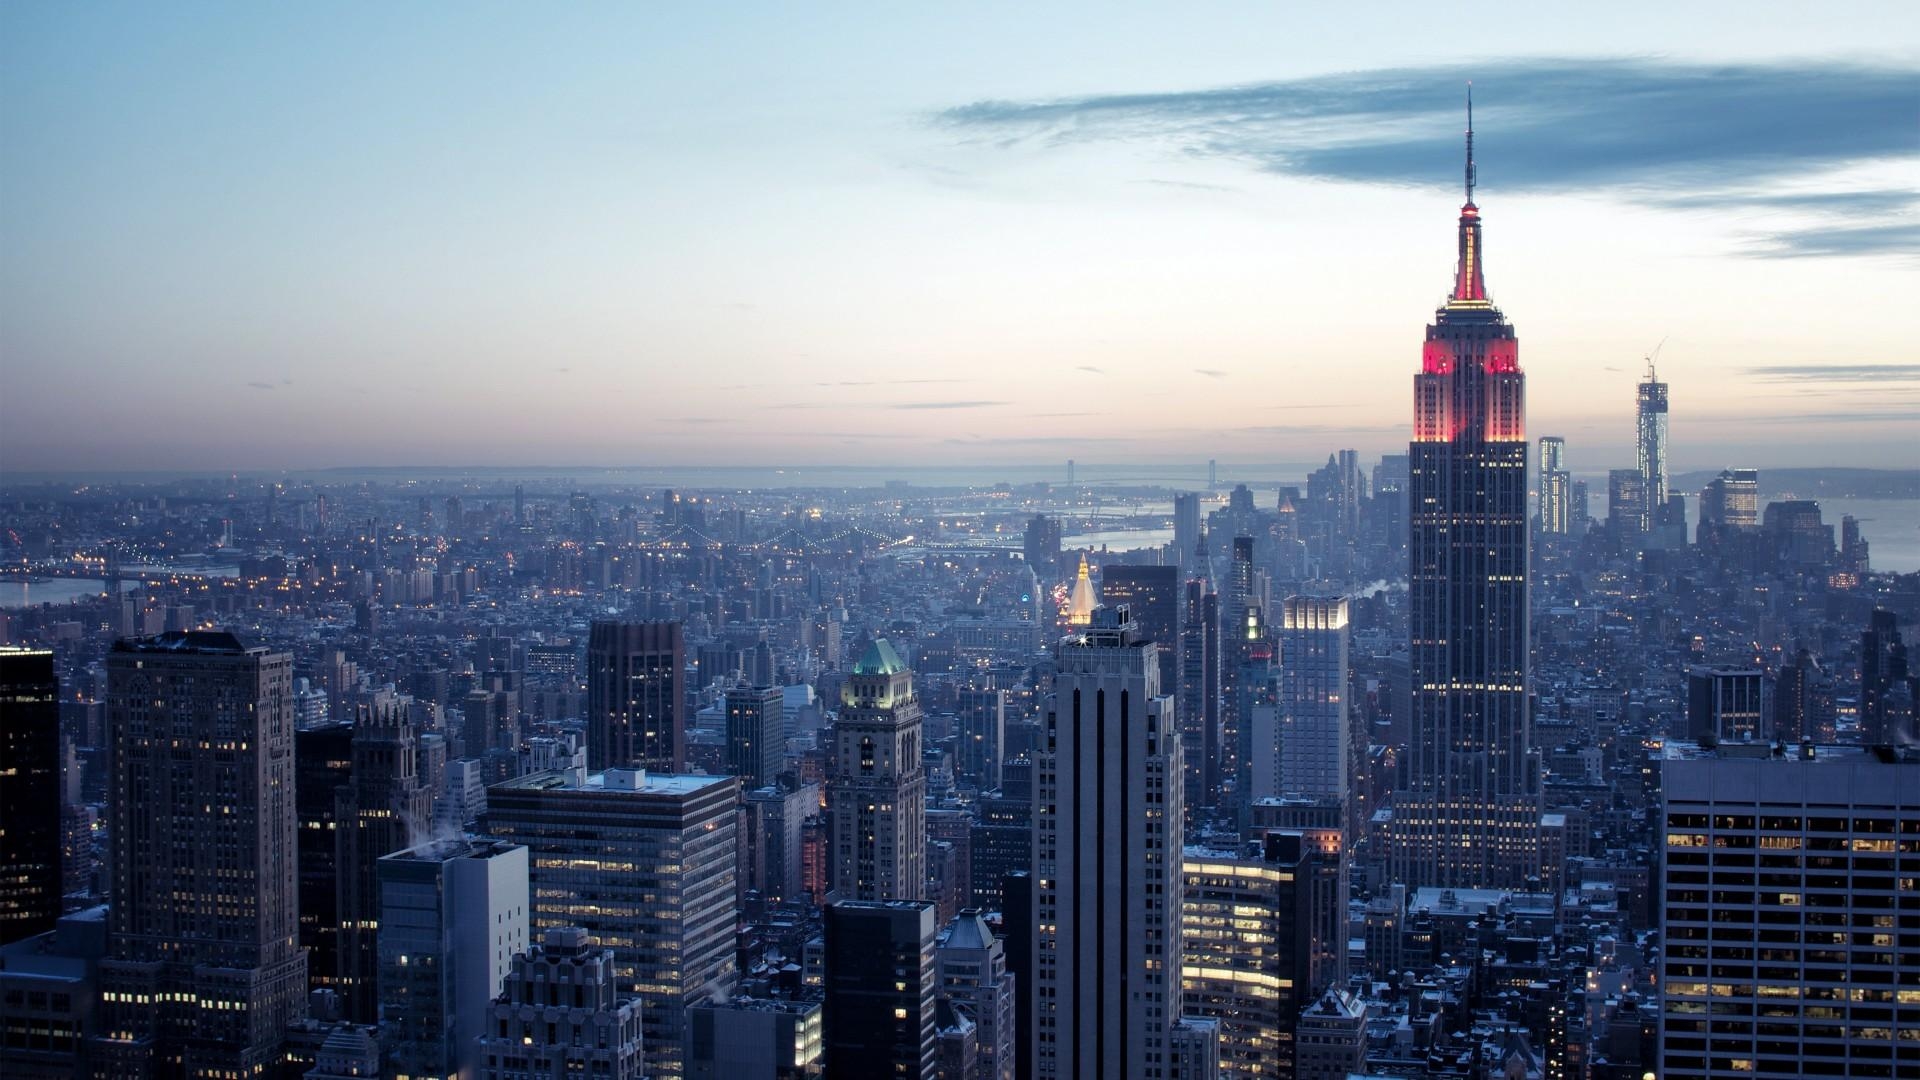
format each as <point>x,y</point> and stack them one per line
<point>1888,684</point>
<point>878,1011</point>
<point>635,702</point>
<point>1199,714</point>
<point>756,743</point>
<point>1469,816</point>
<point>322,763</point>
<point>1152,598</point>
<point>384,808</point>
<point>30,889</point>
<point>877,790</point>
<point>204,969</point>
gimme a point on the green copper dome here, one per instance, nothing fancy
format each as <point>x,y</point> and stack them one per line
<point>880,659</point>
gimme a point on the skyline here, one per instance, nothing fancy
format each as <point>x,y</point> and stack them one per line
<point>612,237</point>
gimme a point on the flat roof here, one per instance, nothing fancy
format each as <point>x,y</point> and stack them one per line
<point>654,783</point>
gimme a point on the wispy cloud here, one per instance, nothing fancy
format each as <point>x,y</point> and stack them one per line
<point>263,385</point>
<point>947,404</point>
<point>1641,128</point>
<point>1835,372</point>
<point>1889,417</point>
<point>1211,373</point>
<point>1090,369</point>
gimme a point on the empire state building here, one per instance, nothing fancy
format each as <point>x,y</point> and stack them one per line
<point>1470,814</point>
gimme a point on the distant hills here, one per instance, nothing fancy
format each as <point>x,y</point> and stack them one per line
<point>1831,483</point>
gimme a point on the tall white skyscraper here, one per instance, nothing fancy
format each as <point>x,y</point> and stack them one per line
<point>1650,444</point>
<point>1107,899</point>
<point>877,792</point>
<point>1556,487</point>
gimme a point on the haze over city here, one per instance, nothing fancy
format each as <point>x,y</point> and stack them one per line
<point>611,235</point>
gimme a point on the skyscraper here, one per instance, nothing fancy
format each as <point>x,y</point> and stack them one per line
<point>980,721</point>
<point>383,809</point>
<point>30,774</point>
<point>1628,510</point>
<point>204,970</point>
<point>1812,943</point>
<point>1313,748</point>
<point>636,708</point>
<point>322,762</point>
<point>1199,712</point>
<point>1107,864</point>
<point>970,969</point>
<point>879,1003</point>
<point>646,863</point>
<point>454,914</point>
<point>756,734</point>
<point>877,791</point>
<point>1470,813</point>
<point>1151,595</point>
<point>1730,503</point>
<point>1556,491</point>
<point>1889,685</point>
<point>1650,444</point>
<point>1186,528</point>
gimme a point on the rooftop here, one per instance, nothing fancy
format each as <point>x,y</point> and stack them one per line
<point>642,782</point>
<point>880,659</point>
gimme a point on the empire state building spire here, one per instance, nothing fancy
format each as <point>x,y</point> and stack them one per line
<point>1469,283</point>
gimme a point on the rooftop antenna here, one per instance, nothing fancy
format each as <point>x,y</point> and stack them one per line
<point>1470,140</point>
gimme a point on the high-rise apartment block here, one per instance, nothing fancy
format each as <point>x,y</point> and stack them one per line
<point>204,969</point>
<point>646,864</point>
<point>1889,684</point>
<point>30,799</point>
<point>1469,815</point>
<point>877,790</point>
<point>980,723</point>
<point>1107,863</point>
<point>636,703</point>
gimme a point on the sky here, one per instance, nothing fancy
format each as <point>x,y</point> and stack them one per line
<point>299,236</point>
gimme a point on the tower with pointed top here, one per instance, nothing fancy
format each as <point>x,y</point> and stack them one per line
<point>1080,601</point>
<point>1469,816</point>
<point>877,794</point>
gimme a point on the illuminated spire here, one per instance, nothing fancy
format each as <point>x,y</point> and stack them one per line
<point>1469,282</point>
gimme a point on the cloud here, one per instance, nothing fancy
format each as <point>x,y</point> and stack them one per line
<point>1639,128</point>
<point>1835,372</point>
<point>1897,239</point>
<point>1211,373</point>
<point>1090,369</point>
<point>1323,405</point>
<point>947,404</point>
<point>263,385</point>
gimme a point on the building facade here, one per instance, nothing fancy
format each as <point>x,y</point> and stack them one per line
<point>383,809</point>
<point>30,796</point>
<point>879,1004</point>
<point>453,913</point>
<point>1787,915</point>
<point>204,971</point>
<point>1106,861</point>
<point>561,1014</point>
<point>756,734</point>
<point>1556,487</point>
<point>636,707</point>
<point>1650,444</point>
<point>646,863</point>
<point>877,790</point>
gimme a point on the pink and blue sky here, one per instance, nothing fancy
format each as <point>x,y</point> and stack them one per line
<point>286,236</point>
